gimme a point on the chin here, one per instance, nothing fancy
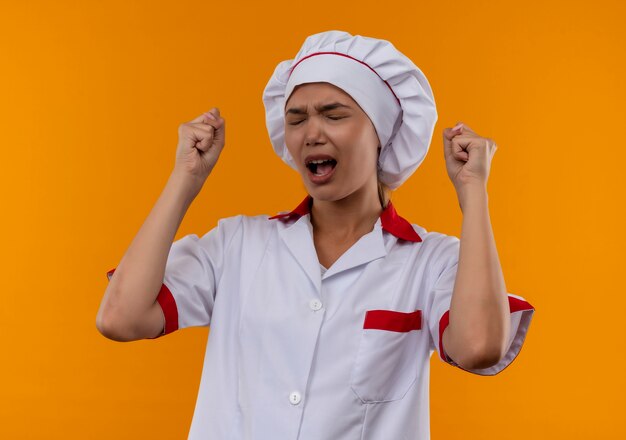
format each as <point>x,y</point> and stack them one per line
<point>327,193</point>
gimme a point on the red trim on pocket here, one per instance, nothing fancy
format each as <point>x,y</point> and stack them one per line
<point>515,305</point>
<point>392,320</point>
<point>168,305</point>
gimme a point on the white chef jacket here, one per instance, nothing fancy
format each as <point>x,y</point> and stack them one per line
<point>297,351</point>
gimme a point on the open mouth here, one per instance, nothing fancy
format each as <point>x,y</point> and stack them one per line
<point>321,167</point>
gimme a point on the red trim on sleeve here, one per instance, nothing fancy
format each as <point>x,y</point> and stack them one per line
<point>443,323</point>
<point>392,320</point>
<point>168,305</point>
<point>515,305</point>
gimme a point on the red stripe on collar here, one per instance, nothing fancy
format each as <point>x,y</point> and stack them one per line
<point>389,219</point>
<point>302,209</point>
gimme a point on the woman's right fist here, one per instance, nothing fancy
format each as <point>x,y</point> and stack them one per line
<point>200,142</point>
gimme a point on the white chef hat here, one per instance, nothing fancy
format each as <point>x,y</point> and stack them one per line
<point>387,85</point>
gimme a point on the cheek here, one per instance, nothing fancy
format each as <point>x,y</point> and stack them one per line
<point>363,164</point>
<point>292,145</point>
<point>363,145</point>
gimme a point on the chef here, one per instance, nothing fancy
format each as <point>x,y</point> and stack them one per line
<point>324,317</point>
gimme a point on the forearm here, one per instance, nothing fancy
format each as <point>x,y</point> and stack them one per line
<point>479,311</point>
<point>138,277</point>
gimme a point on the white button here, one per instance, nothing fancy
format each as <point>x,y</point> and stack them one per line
<point>315,304</point>
<point>295,398</point>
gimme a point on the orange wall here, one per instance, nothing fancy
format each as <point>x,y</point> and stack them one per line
<point>91,95</point>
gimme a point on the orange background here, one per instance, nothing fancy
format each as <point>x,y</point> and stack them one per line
<point>91,98</point>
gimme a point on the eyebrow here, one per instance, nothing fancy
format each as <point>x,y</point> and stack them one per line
<point>323,108</point>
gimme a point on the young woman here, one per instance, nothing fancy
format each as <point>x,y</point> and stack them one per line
<point>323,319</point>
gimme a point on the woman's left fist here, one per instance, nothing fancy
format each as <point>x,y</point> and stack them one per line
<point>468,156</point>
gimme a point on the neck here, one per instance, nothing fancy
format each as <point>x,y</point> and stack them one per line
<point>352,216</point>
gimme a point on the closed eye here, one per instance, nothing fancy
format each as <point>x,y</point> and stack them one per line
<point>334,118</point>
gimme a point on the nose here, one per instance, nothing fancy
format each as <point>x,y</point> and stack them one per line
<point>314,132</point>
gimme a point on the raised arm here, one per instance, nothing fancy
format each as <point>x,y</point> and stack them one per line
<point>129,310</point>
<point>479,326</point>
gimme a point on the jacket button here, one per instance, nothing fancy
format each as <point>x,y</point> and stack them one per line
<point>295,398</point>
<point>315,304</point>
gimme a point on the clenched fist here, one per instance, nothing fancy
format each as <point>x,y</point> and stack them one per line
<point>468,156</point>
<point>200,142</point>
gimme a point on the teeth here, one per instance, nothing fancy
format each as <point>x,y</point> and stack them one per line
<point>317,162</point>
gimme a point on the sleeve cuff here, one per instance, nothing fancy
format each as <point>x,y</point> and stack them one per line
<point>168,307</point>
<point>521,315</point>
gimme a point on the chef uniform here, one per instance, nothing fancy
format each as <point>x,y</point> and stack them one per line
<point>299,351</point>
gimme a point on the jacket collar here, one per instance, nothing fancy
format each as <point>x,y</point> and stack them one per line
<point>389,218</point>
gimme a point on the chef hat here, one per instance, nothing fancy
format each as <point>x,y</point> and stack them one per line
<point>388,86</point>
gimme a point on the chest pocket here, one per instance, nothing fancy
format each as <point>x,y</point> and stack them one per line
<point>387,360</point>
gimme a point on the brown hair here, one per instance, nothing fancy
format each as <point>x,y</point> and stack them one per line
<point>384,194</point>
